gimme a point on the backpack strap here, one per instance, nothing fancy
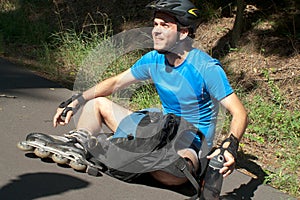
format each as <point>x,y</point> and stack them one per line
<point>182,165</point>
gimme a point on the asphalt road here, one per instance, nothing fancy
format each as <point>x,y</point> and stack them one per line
<point>27,104</point>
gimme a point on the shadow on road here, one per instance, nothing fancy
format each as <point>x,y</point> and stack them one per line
<point>13,76</point>
<point>244,191</point>
<point>36,185</point>
<point>146,179</point>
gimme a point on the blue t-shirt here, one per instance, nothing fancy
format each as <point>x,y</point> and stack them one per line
<point>191,90</point>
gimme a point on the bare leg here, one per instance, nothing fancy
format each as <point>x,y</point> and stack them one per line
<point>169,179</point>
<point>101,111</point>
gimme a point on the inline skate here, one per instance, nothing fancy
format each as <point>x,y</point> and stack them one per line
<point>62,150</point>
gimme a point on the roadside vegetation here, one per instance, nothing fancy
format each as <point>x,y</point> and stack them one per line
<point>55,38</point>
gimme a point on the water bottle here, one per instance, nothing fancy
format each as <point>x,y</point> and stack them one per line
<point>213,179</point>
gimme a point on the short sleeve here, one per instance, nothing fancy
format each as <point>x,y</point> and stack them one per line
<point>141,69</point>
<point>216,80</point>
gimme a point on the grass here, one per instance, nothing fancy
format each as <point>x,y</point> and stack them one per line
<point>72,56</point>
<point>270,124</point>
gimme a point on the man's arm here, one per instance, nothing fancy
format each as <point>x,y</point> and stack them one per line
<point>102,89</point>
<point>239,115</point>
<point>238,126</point>
<point>110,85</point>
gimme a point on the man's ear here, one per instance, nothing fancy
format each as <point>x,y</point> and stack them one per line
<point>184,32</point>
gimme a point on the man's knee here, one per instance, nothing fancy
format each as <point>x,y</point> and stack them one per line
<point>98,104</point>
<point>100,108</point>
<point>167,178</point>
<point>111,113</point>
<point>191,155</point>
<point>101,102</point>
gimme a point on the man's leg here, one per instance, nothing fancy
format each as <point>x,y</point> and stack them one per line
<point>101,111</point>
<point>169,179</point>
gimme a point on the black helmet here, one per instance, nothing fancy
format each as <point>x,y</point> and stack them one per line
<point>183,10</point>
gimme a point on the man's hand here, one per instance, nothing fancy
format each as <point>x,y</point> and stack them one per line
<point>67,109</point>
<point>229,164</point>
<point>60,119</point>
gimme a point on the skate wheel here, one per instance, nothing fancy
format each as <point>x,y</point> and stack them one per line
<point>77,166</point>
<point>93,171</point>
<point>41,153</point>
<point>59,159</point>
<point>24,147</point>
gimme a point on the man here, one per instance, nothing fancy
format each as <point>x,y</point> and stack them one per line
<point>189,82</point>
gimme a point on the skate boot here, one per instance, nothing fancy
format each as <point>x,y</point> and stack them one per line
<point>62,150</point>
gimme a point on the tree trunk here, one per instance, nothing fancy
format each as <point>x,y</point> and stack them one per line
<point>238,24</point>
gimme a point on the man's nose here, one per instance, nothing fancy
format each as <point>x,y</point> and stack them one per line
<point>156,30</point>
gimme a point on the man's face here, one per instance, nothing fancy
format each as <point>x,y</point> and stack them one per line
<point>164,33</point>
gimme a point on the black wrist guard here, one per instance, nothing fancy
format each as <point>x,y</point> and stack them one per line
<point>64,104</point>
<point>231,144</point>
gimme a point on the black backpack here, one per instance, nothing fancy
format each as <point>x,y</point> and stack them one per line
<point>154,147</point>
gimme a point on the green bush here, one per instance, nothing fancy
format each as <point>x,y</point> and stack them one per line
<point>20,22</point>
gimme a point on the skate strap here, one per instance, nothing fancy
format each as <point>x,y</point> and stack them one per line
<point>182,165</point>
<point>231,144</point>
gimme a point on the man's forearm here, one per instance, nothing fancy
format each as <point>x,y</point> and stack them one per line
<point>238,125</point>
